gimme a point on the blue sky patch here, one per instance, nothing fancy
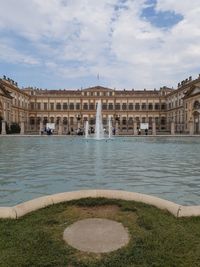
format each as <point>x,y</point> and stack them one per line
<point>160,19</point>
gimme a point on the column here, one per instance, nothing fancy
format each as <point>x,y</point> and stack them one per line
<point>172,128</point>
<point>153,127</point>
<point>22,127</point>
<point>135,131</point>
<point>60,128</point>
<point>191,127</point>
<point>120,126</point>
<point>41,127</point>
<point>3,127</point>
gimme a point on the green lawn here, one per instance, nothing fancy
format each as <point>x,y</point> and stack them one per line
<point>156,237</point>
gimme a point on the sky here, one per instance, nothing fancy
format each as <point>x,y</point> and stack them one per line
<point>75,44</point>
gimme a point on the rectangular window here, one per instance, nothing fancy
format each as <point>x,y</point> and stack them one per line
<point>130,106</point>
<point>110,106</point>
<point>124,106</point>
<point>45,106</point>
<point>150,106</point>
<point>104,106</point>
<point>163,106</point>
<point>91,106</point>
<point>64,106</point>
<point>85,106</point>
<point>38,105</point>
<point>58,106</point>
<point>78,105</point>
<point>52,106</point>
<point>143,106</point>
<point>32,105</point>
<point>71,106</point>
<point>137,106</point>
<point>117,106</point>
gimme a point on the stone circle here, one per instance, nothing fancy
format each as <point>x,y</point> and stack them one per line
<point>96,235</point>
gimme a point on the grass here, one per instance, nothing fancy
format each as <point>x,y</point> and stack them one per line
<point>156,237</point>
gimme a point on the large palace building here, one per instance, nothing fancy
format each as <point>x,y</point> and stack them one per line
<point>165,110</point>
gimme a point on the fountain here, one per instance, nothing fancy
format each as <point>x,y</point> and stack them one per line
<point>109,127</point>
<point>99,133</point>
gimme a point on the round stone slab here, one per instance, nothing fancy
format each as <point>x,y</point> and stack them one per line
<point>96,235</point>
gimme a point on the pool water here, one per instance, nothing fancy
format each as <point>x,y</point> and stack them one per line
<point>167,167</point>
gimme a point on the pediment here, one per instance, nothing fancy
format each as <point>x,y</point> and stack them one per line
<point>98,89</point>
<point>194,90</point>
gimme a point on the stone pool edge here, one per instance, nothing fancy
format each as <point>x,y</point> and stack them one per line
<point>24,208</point>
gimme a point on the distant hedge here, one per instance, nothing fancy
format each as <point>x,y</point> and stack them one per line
<point>14,128</point>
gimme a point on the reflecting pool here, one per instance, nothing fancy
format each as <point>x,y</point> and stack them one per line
<point>167,167</point>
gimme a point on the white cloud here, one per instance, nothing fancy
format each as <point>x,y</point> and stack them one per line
<point>11,55</point>
<point>75,39</point>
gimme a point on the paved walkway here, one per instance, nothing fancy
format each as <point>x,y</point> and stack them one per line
<point>96,235</point>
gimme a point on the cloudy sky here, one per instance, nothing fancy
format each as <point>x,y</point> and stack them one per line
<point>127,43</point>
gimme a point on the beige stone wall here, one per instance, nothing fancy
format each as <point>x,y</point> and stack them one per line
<point>127,108</point>
<point>17,108</point>
<point>179,109</point>
<point>5,108</point>
<point>76,107</point>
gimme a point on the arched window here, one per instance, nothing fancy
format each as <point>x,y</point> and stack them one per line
<point>38,120</point>
<point>58,120</point>
<point>196,105</point>
<point>92,121</point>
<point>45,120</point>
<point>32,120</point>
<point>52,119</point>
<point>124,122</point>
<point>65,120</point>
<point>130,121</point>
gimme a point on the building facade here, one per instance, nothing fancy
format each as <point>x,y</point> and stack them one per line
<point>165,110</point>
